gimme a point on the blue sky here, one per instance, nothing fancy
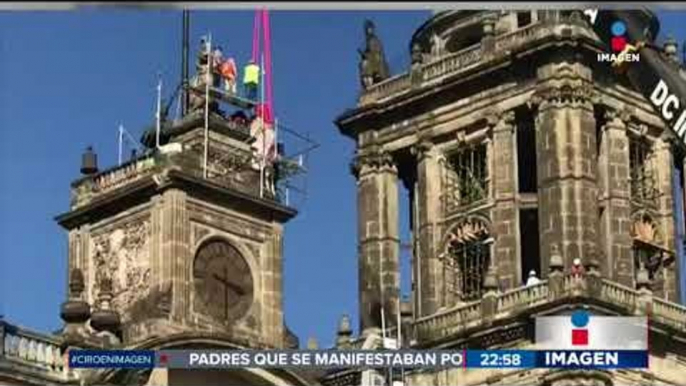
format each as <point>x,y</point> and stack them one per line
<point>67,79</point>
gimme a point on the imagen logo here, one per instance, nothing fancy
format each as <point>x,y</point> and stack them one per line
<point>580,331</point>
<point>622,50</point>
<point>618,41</point>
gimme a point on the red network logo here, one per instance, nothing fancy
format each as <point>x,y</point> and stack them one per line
<point>618,41</point>
<point>580,321</point>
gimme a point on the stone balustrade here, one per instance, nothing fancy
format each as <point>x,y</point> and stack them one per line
<point>522,297</point>
<point>453,63</point>
<point>618,294</point>
<point>448,322</point>
<point>512,302</point>
<point>120,176</point>
<point>671,314</point>
<point>514,39</point>
<point>39,352</point>
<point>87,189</point>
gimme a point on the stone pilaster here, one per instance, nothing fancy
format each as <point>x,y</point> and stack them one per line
<point>428,270</point>
<point>613,181</point>
<point>664,169</point>
<point>378,236</point>
<point>566,157</point>
<point>504,187</point>
<point>272,304</point>
<point>175,258</point>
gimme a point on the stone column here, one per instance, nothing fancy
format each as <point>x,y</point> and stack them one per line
<point>429,268</point>
<point>566,157</point>
<point>175,251</point>
<point>664,169</point>
<point>378,237</point>
<point>615,222</point>
<point>504,188</point>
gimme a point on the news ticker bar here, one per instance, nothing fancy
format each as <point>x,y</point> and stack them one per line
<point>336,359</point>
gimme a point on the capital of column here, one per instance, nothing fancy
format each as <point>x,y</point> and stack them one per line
<point>422,149</point>
<point>500,120</point>
<point>575,93</point>
<point>374,159</point>
<point>616,119</point>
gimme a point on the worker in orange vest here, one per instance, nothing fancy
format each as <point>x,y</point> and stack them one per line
<point>228,71</point>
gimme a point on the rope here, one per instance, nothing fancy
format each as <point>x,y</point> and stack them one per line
<point>268,60</point>
<point>256,37</point>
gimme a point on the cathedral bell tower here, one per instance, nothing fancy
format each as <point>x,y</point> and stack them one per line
<point>180,241</point>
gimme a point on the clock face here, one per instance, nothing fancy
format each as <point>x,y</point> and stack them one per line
<point>223,281</point>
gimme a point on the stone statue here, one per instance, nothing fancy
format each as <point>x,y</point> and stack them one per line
<point>198,81</point>
<point>417,54</point>
<point>437,46</point>
<point>373,65</point>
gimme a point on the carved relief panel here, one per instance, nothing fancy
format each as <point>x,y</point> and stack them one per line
<point>122,254</point>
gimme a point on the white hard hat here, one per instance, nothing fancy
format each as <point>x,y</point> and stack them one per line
<point>577,261</point>
<point>532,272</point>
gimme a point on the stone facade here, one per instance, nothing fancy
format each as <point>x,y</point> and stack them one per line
<point>453,129</point>
<point>489,95</point>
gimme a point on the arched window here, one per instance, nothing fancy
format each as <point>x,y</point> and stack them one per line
<point>222,280</point>
<point>468,259</point>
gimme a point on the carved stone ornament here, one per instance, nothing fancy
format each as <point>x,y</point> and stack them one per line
<point>468,230</point>
<point>122,256</point>
<point>645,230</point>
<point>422,148</point>
<point>578,378</point>
<point>568,93</point>
<point>374,158</point>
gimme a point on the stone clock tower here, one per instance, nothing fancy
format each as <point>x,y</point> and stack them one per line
<point>158,249</point>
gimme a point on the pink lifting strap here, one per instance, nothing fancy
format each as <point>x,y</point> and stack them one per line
<point>256,37</point>
<point>267,61</point>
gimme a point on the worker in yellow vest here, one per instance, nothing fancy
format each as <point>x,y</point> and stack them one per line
<point>251,79</point>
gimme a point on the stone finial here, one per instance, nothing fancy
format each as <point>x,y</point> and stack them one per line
<point>76,283</point>
<point>405,309</point>
<point>491,279</point>
<point>344,332</point>
<point>312,343</point>
<point>75,310</point>
<point>556,264</point>
<point>344,326</point>
<point>592,262</point>
<point>642,277</point>
<point>671,48</point>
<point>488,24</point>
<point>105,318</point>
<point>89,162</point>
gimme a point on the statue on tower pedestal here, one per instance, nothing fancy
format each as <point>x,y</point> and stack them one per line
<point>373,66</point>
<point>198,81</point>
